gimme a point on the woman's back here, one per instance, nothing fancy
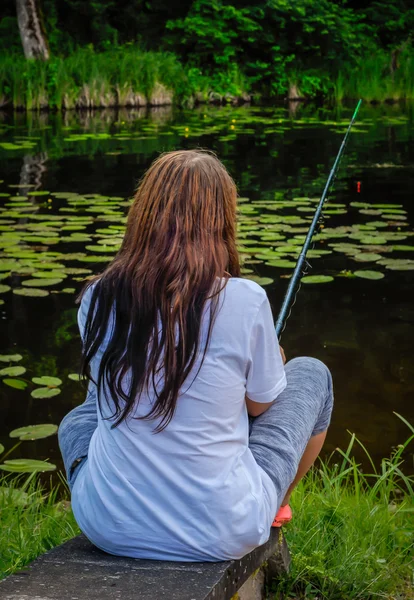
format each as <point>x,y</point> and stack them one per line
<point>193,491</point>
<point>161,458</point>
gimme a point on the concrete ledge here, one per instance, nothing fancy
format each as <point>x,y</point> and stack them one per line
<point>77,570</point>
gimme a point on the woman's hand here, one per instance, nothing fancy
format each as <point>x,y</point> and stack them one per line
<point>282,352</point>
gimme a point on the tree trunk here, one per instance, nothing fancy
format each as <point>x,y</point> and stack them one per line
<point>294,93</point>
<point>31,30</point>
<point>33,168</point>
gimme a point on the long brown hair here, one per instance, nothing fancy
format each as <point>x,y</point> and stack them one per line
<point>178,251</point>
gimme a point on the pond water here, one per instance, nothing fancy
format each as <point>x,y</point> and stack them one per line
<point>65,190</point>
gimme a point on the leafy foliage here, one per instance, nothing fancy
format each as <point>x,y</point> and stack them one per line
<point>391,20</point>
<point>225,47</point>
<point>351,535</point>
<point>277,41</point>
<point>32,520</point>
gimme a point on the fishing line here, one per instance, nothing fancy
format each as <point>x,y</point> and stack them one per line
<point>295,284</point>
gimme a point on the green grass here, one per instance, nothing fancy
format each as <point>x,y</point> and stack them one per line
<point>352,535</point>
<point>351,538</point>
<point>124,76</point>
<point>32,521</point>
<point>128,76</point>
<point>90,79</point>
<point>373,81</point>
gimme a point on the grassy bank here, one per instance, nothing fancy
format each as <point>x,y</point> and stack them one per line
<point>352,536</point>
<point>124,76</point>
<point>374,80</point>
<point>32,521</point>
<point>88,79</point>
<point>127,76</point>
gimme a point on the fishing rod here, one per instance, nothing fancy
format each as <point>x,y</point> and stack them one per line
<point>297,273</point>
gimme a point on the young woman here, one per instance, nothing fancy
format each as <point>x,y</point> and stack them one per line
<point>161,458</point>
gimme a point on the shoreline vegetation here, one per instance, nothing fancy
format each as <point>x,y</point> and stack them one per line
<point>352,535</point>
<point>129,77</point>
<point>65,54</point>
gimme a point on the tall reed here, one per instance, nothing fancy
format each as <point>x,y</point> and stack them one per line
<point>352,534</point>
<point>374,80</point>
<point>123,76</point>
<point>32,521</point>
<point>128,76</point>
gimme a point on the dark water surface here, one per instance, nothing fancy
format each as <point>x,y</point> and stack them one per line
<point>363,329</point>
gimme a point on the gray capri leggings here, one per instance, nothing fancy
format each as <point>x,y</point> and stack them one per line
<point>277,439</point>
<point>279,436</point>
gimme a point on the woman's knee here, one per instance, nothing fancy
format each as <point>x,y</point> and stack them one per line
<point>313,375</point>
<point>317,374</point>
<point>310,367</point>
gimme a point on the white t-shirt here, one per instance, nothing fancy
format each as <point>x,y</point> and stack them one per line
<point>194,491</point>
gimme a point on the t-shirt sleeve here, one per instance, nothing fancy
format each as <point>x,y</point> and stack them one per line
<point>266,377</point>
<point>83,311</point>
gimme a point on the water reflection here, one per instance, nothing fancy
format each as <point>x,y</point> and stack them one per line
<point>362,329</point>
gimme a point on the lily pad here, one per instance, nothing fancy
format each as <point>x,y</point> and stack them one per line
<point>369,211</point>
<point>49,275</point>
<point>76,377</point>
<point>96,248</point>
<point>398,264</point>
<point>408,266</point>
<point>360,204</point>
<point>34,292</point>
<point>47,265</point>
<point>18,384</point>
<point>12,371</point>
<point>44,282</point>
<point>378,240</point>
<point>369,274</point>
<point>45,380</point>
<point>317,279</point>
<point>377,224</point>
<point>334,211</point>
<point>318,253</point>
<point>282,264</point>
<point>395,211</point>
<point>261,280</point>
<point>26,465</point>
<point>10,357</point>
<point>388,206</point>
<point>73,271</point>
<point>45,392</point>
<point>367,257</point>
<point>95,259</point>
<point>34,432</point>
<point>403,248</point>
<point>393,217</point>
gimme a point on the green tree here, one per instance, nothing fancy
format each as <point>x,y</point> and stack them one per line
<point>105,23</point>
<point>275,42</point>
<point>391,21</point>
